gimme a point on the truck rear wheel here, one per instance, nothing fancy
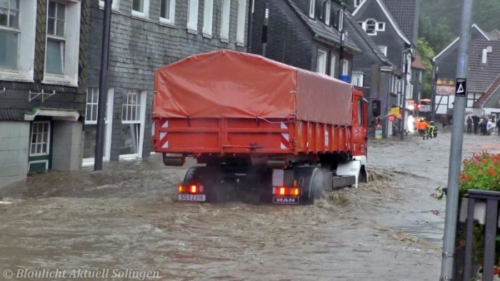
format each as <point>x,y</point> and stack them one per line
<point>211,180</point>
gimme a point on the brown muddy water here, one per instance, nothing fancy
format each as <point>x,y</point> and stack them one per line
<point>125,218</point>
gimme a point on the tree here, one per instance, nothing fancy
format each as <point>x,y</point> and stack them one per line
<point>426,53</point>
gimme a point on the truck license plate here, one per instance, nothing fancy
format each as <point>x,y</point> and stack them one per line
<point>285,200</point>
<point>192,197</point>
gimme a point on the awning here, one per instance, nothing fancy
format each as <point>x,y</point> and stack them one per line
<point>56,114</point>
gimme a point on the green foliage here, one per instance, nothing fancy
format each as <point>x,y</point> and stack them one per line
<point>426,54</point>
<point>440,19</point>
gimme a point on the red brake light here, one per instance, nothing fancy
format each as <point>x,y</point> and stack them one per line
<point>193,189</point>
<point>286,191</point>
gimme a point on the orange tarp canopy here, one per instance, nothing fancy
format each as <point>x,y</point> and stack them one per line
<point>229,84</point>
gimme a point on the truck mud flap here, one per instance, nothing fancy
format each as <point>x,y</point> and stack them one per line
<point>343,181</point>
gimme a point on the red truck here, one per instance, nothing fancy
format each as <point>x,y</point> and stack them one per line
<point>260,127</point>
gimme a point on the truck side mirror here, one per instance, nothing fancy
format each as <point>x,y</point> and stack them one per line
<point>376,108</point>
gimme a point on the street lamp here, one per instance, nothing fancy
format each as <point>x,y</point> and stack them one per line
<point>387,70</point>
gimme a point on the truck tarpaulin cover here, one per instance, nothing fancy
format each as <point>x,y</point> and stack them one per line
<point>229,84</point>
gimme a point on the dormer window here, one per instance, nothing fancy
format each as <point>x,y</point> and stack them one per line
<point>328,11</point>
<point>371,26</point>
<point>312,7</point>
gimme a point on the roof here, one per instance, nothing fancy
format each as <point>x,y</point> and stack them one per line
<point>458,38</point>
<point>417,63</point>
<point>322,30</point>
<point>495,35</point>
<point>481,76</point>
<point>405,13</point>
<point>10,114</point>
<point>492,89</point>
<point>373,46</point>
<point>389,16</point>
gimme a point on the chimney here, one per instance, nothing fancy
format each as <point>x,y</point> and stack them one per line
<point>488,49</point>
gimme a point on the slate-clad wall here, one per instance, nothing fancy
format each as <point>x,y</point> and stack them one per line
<point>140,46</point>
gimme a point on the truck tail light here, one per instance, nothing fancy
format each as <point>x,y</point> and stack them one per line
<point>286,191</point>
<point>192,189</point>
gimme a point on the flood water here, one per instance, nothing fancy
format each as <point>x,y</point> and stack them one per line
<point>125,218</point>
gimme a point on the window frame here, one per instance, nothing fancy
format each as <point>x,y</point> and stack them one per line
<point>378,26</point>
<point>70,74</point>
<point>54,37</point>
<point>192,15</point>
<point>13,30</point>
<point>345,67</point>
<point>225,20</point>
<point>126,106</point>
<point>324,61</point>
<point>328,12</point>
<point>312,8</point>
<point>383,49</point>
<point>48,132</point>
<point>333,65</point>
<point>357,75</point>
<point>24,71</point>
<point>208,17</point>
<point>145,9</point>
<point>365,26</point>
<point>241,22</point>
<point>114,6</point>
<point>171,19</point>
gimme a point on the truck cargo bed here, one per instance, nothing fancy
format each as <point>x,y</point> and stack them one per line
<point>238,135</point>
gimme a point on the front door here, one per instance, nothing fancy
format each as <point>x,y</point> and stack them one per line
<point>40,154</point>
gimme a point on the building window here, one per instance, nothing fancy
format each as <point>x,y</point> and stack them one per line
<point>224,29</point>
<point>333,65</point>
<point>472,98</point>
<point>92,105</point>
<point>167,11</point>
<point>208,14</point>
<point>357,3</point>
<point>140,8</point>
<point>54,60</point>
<point>345,67</point>
<point>90,128</point>
<point>381,26</point>
<point>40,138</point>
<point>133,115</point>
<point>17,40</point>
<point>340,18</point>
<point>193,15</point>
<point>312,6</point>
<point>321,62</point>
<point>328,11</point>
<point>9,33</point>
<point>357,79</point>
<point>240,29</point>
<point>114,6</point>
<point>63,43</point>
<point>383,49</point>
<point>370,27</point>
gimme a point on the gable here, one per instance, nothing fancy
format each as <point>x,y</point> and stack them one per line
<point>369,6</point>
<point>476,33</point>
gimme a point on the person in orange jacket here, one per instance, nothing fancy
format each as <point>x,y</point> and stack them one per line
<point>422,126</point>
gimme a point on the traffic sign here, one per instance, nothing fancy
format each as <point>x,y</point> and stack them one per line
<point>461,87</point>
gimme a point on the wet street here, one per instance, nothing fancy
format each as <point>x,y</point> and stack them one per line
<point>126,218</point>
